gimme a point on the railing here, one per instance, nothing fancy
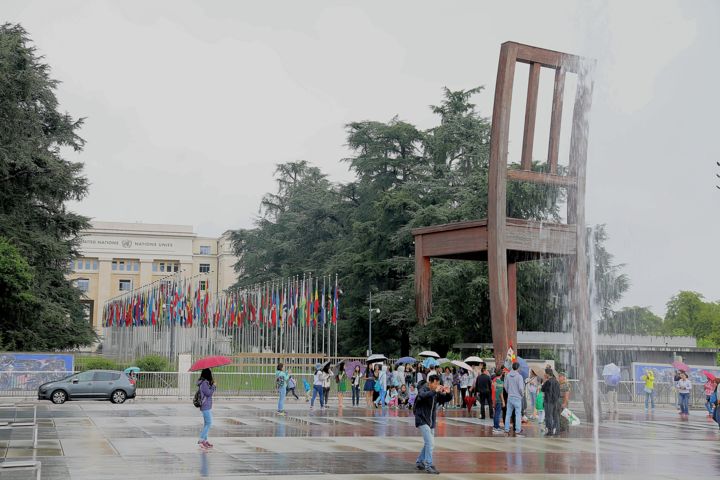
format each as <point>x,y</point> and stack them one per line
<point>634,392</point>
<point>262,383</point>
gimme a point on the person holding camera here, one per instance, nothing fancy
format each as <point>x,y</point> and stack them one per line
<point>430,395</point>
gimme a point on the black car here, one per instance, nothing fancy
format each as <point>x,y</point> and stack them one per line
<point>92,384</point>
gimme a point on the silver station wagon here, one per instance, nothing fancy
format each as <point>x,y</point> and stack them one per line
<point>90,385</point>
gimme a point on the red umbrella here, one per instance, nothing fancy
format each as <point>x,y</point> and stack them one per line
<point>709,375</point>
<point>210,362</point>
<point>678,365</point>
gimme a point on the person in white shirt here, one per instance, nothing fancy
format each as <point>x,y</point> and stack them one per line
<point>684,386</point>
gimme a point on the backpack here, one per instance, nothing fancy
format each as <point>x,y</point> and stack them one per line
<point>279,382</point>
<point>197,399</point>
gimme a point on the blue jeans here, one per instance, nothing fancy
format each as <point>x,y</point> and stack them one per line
<point>207,423</point>
<point>425,457</point>
<point>497,414</point>
<point>356,395</point>
<point>650,399</point>
<point>684,398</point>
<point>514,404</point>
<point>282,391</point>
<point>317,390</point>
<point>381,399</point>
<point>708,405</point>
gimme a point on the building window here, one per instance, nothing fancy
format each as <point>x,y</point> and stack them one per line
<point>125,285</point>
<point>136,266</point>
<point>204,249</point>
<point>114,265</point>
<point>204,268</point>
<point>203,285</point>
<point>86,264</point>
<point>166,267</point>
<point>83,284</point>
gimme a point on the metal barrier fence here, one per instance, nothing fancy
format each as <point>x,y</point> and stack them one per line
<point>243,384</point>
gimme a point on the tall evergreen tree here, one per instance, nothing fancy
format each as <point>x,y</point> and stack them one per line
<point>35,184</point>
<point>408,178</point>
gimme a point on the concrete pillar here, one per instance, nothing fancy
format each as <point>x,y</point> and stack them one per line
<point>146,273</point>
<point>103,290</point>
<point>184,376</point>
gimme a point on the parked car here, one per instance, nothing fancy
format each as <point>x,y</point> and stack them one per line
<point>92,384</point>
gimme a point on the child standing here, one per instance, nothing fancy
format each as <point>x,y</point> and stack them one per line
<point>540,403</point>
<point>498,400</point>
<point>412,395</point>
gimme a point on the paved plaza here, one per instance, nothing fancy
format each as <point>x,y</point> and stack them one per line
<point>149,439</point>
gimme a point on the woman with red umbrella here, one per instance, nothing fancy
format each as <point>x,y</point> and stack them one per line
<point>207,387</point>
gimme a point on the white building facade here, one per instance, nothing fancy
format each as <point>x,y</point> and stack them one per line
<point>116,257</point>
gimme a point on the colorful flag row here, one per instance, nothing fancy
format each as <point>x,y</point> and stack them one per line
<point>186,302</point>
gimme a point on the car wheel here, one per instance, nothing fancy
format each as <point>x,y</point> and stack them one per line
<point>118,396</point>
<point>58,397</point>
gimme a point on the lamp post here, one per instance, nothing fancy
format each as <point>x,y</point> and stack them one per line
<point>370,312</point>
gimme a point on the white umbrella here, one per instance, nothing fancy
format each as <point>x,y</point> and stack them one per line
<point>376,357</point>
<point>428,353</point>
<point>610,369</point>
<point>473,360</point>
<point>462,364</point>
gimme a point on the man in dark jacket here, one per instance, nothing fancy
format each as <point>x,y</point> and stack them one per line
<point>551,399</point>
<point>430,395</point>
<point>483,390</point>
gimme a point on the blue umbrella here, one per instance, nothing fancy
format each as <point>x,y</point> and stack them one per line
<point>524,367</point>
<point>612,380</point>
<point>430,362</point>
<point>405,360</point>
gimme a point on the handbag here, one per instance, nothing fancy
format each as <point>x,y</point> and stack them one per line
<point>377,387</point>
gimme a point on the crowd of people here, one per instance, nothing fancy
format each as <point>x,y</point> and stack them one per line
<point>504,394</point>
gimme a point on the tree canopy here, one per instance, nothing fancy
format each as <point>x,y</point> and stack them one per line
<point>37,232</point>
<point>405,178</point>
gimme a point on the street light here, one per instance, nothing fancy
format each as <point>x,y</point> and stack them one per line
<point>370,312</point>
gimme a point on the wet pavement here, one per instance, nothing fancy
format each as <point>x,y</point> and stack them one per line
<point>154,440</point>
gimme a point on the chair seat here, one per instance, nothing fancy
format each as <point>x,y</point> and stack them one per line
<point>524,240</point>
<point>20,464</point>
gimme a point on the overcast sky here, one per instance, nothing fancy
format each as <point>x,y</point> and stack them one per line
<point>190,105</point>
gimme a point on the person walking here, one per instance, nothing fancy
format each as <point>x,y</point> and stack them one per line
<point>292,385</point>
<point>483,391</point>
<point>207,387</point>
<point>382,380</point>
<point>498,387</point>
<point>515,387</point>
<point>684,387</point>
<point>342,383</point>
<point>565,392</point>
<point>355,385</point>
<point>532,388</point>
<point>649,379</point>
<point>318,382</point>
<point>430,395</point>
<point>369,386</point>
<point>709,389</point>
<point>551,399</point>
<point>327,379</point>
<point>281,383</point>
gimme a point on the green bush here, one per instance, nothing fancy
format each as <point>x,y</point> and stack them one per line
<point>154,363</point>
<point>95,363</point>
